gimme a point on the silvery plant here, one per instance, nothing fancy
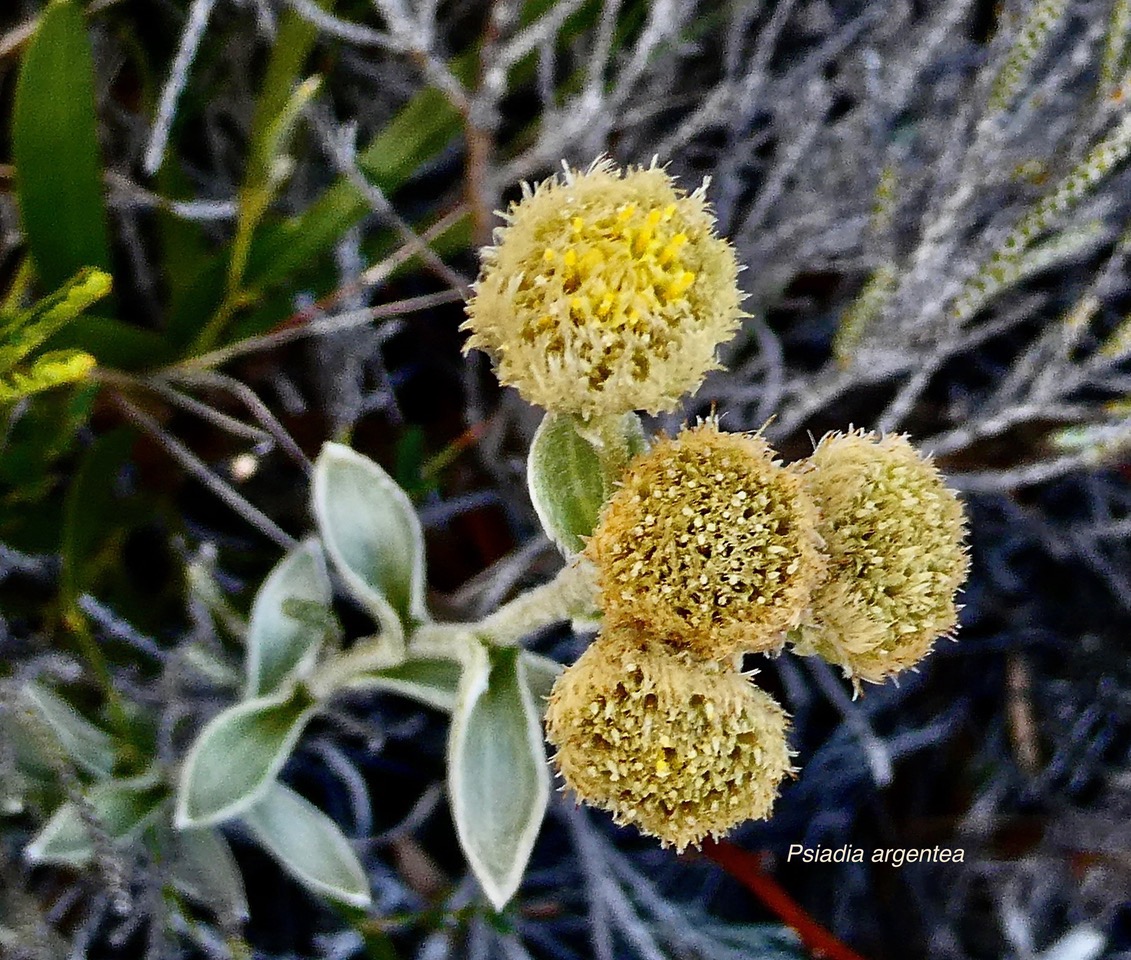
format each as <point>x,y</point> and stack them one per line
<point>607,292</point>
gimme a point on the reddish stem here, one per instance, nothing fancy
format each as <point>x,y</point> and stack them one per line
<point>746,868</point>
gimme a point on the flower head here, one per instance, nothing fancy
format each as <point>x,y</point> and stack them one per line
<point>606,291</point>
<point>710,542</point>
<point>677,747</point>
<point>894,535</point>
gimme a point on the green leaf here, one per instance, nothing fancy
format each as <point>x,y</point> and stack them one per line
<point>281,647</point>
<point>566,481</point>
<point>431,681</point>
<point>202,867</point>
<point>372,535</point>
<point>50,370</point>
<point>237,756</point>
<point>113,343</point>
<point>91,748</point>
<point>268,169</point>
<point>123,808</point>
<point>498,779</point>
<point>308,845</point>
<point>55,147</point>
<point>31,328</point>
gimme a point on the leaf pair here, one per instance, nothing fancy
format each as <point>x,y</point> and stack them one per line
<point>199,862</point>
<point>241,750</point>
<point>374,539</point>
<point>23,369</point>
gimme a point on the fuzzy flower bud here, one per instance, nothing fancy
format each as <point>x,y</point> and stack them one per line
<point>710,542</point>
<point>676,747</point>
<point>894,537</point>
<point>605,292</point>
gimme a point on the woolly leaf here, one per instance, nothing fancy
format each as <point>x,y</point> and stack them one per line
<point>123,809</point>
<point>372,535</point>
<point>237,756</point>
<point>431,681</point>
<point>540,673</point>
<point>89,747</point>
<point>308,845</point>
<point>498,780</point>
<point>566,482</point>
<point>201,866</point>
<point>279,646</point>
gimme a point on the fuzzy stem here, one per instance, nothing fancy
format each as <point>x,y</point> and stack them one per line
<point>572,593</point>
<point>378,652</point>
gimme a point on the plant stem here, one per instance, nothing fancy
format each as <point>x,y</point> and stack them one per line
<point>572,593</point>
<point>92,653</point>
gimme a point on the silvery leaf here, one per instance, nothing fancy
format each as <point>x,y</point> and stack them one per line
<point>308,845</point>
<point>372,535</point>
<point>279,646</point>
<point>498,779</point>
<point>566,482</point>
<point>431,681</point>
<point>91,748</point>
<point>237,756</point>
<point>123,809</point>
<point>540,672</point>
<point>202,867</point>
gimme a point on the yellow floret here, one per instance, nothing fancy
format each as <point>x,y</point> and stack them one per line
<point>678,748</point>
<point>894,537</point>
<point>639,289</point>
<point>710,542</point>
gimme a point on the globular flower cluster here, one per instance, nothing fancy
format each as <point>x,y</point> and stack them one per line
<point>606,291</point>
<point>894,537</point>
<point>710,548</point>
<point>676,746</point>
<point>711,541</point>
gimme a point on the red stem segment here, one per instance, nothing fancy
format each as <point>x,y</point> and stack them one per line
<point>746,868</point>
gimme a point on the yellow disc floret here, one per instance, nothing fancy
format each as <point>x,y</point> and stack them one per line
<point>676,747</point>
<point>605,292</point>
<point>894,537</point>
<point>710,542</point>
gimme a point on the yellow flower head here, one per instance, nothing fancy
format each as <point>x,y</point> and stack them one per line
<point>710,542</point>
<point>894,537</point>
<point>677,747</point>
<point>606,291</point>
